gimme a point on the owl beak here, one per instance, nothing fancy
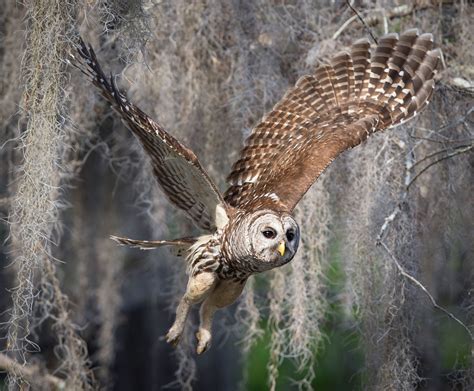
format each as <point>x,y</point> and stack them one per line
<point>281,248</point>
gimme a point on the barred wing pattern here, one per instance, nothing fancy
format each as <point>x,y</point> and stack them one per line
<point>332,110</point>
<point>176,167</point>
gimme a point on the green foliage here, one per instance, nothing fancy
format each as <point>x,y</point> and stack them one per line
<point>339,357</point>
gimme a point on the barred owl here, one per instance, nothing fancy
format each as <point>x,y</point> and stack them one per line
<point>250,228</point>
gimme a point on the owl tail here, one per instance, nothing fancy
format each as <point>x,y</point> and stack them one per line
<point>179,246</point>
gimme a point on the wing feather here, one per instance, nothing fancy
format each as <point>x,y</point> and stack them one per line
<point>334,109</point>
<point>176,167</point>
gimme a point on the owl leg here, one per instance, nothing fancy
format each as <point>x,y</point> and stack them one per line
<point>225,293</point>
<point>199,287</point>
<point>206,313</point>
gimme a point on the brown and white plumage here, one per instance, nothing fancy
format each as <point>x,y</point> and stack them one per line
<point>334,109</point>
<point>250,228</point>
<point>176,167</point>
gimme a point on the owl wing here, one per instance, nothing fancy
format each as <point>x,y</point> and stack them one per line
<point>176,167</point>
<point>332,110</point>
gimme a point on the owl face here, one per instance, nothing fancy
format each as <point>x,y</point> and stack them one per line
<point>273,239</point>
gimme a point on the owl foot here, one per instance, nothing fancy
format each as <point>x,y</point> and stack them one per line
<point>173,336</point>
<point>204,340</point>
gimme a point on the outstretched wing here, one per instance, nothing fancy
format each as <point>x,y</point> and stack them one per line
<point>176,167</point>
<point>332,110</point>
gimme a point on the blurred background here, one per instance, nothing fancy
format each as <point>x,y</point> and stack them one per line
<point>76,308</point>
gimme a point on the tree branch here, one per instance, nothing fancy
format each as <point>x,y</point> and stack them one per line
<point>390,218</point>
<point>441,151</point>
<point>414,281</point>
<point>369,30</point>
<point>396,12</point>
<point>458,151</point>
<point>31,373</point>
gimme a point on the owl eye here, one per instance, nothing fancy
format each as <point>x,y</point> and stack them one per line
<point>290,235</point>
<point>269,233</point>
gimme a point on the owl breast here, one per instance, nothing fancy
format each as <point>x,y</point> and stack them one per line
<point>205,254</point>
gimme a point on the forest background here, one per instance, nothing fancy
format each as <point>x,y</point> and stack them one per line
<point>380,295</point>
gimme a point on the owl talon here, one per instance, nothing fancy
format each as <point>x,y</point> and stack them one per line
<point>173,336</point>
<point>204,340</point>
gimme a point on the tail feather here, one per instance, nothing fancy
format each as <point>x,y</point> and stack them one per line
<point>179,245</point>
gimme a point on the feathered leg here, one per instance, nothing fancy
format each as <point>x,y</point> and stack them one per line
<point>225,293</point>
<point>199,287</point>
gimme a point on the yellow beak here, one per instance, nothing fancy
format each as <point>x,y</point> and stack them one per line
<point>281,248</point>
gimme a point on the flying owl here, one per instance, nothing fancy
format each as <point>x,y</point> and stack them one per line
<point>250,228</point>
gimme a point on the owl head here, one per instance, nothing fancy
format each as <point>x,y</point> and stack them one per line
<point>268,238</point>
